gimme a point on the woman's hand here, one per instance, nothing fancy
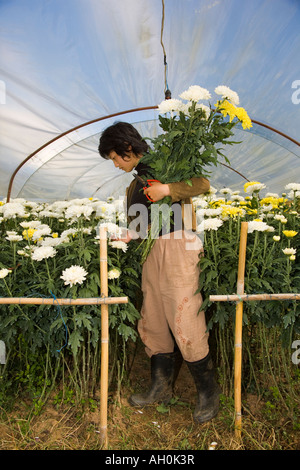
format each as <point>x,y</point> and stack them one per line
<point>157,191</point>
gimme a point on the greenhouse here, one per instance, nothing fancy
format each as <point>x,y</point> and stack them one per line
<point>116,262</point>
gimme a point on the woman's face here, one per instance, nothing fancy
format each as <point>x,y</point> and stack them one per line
<point>127,163</point>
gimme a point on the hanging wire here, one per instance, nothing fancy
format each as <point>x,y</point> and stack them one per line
<point>168,94</point>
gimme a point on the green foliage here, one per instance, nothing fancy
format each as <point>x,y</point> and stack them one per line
<point>268,269</point>
<point>68,332</point>
<point>189,145</point>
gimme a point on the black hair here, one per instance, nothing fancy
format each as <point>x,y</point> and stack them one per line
<point>121,137</point>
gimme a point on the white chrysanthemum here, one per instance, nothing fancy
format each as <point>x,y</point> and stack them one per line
<point>113,273</point>
<point>105,210</point>
<point>258,226</point>
<point>254,187</point>
<point>209,212</point>
<point>31,204</point>
<point>280,217</point>
<point>169,106</point>
<point>13,209</point>
<point>67,233</point>
<point>204,108</point>
<point>74,275</point>
<point>51,214</point>
<point>200,202</point>
<point>195,93</point>
<point>50,241</point>
<point>225,191</point>
<point>293,186</point>
<point>31,224</point>
<point>209,224</point>
<point>43,252</point>
<point>289,251</point>
<point>267,209</point>
<point>227,93</point>
<point>119,245</point>
<point>23,253</point>
<point>236,197</point>
<point>212,190</point>
<point>59,206</point>
<point>293,194</point>
<point>14,238</point>
<point>4,272</point>
<point>113,230</point>
<point>41,231</point>
<point>78,210</point>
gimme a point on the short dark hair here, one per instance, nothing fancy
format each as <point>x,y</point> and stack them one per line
<point>119,137</point>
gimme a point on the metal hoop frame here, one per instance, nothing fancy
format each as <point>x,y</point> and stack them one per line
<point>128,111</point>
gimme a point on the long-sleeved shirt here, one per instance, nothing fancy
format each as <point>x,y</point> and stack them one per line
<point>180,193</point>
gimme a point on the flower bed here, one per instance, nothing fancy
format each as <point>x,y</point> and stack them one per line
<point>53,250</point>
<point>271,257</point>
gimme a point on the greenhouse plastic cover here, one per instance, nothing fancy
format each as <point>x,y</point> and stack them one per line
<point>66,63</point>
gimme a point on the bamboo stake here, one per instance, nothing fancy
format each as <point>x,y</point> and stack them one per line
<point>250,297</point>
<point>66,302</point>
<point>104,338</point>
<point>239,331</point>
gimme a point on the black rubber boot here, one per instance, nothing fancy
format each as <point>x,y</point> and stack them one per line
<point>208,390</point>
<point>164,371</point>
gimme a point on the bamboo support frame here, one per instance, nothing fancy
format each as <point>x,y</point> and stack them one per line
<point>65,302</point>
<point>104,301</point>
<point>239,298</point>
<point>253,297</point>
<point>104,338</point>
<point>239,331</point>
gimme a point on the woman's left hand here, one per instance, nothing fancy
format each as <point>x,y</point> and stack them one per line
<point>157,191</point>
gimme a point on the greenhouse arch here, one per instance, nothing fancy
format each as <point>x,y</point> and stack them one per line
<point>122,113</point>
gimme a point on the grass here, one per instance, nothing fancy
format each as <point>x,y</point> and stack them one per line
<point>62,423</point>
<point>75,428</point>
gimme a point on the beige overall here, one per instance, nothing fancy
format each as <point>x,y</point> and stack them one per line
<point>170,306</point>
<point>170,276</point>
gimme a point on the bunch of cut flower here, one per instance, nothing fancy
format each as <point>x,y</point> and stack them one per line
<point>191,142</point>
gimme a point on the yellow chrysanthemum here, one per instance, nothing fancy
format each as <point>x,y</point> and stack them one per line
<point>28,233</point>
<point>243,203</point>
<point>232,211</point>
<point>217,203</point>
<point>274,202</point>
<point>251,211</point>
<point>227,108</point>
<point>289,233</point>
<point>242,116</point>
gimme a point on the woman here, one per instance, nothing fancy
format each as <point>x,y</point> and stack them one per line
<point>172,325</point>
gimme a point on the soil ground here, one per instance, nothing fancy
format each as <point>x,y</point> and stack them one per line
<point>70,427</point>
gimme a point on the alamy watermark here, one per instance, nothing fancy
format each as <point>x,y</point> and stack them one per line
<point>296,354</point>
<point>296,93</point>
<point>159,220</point>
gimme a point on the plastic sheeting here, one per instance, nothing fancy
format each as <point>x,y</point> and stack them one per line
<point>65,63</point>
